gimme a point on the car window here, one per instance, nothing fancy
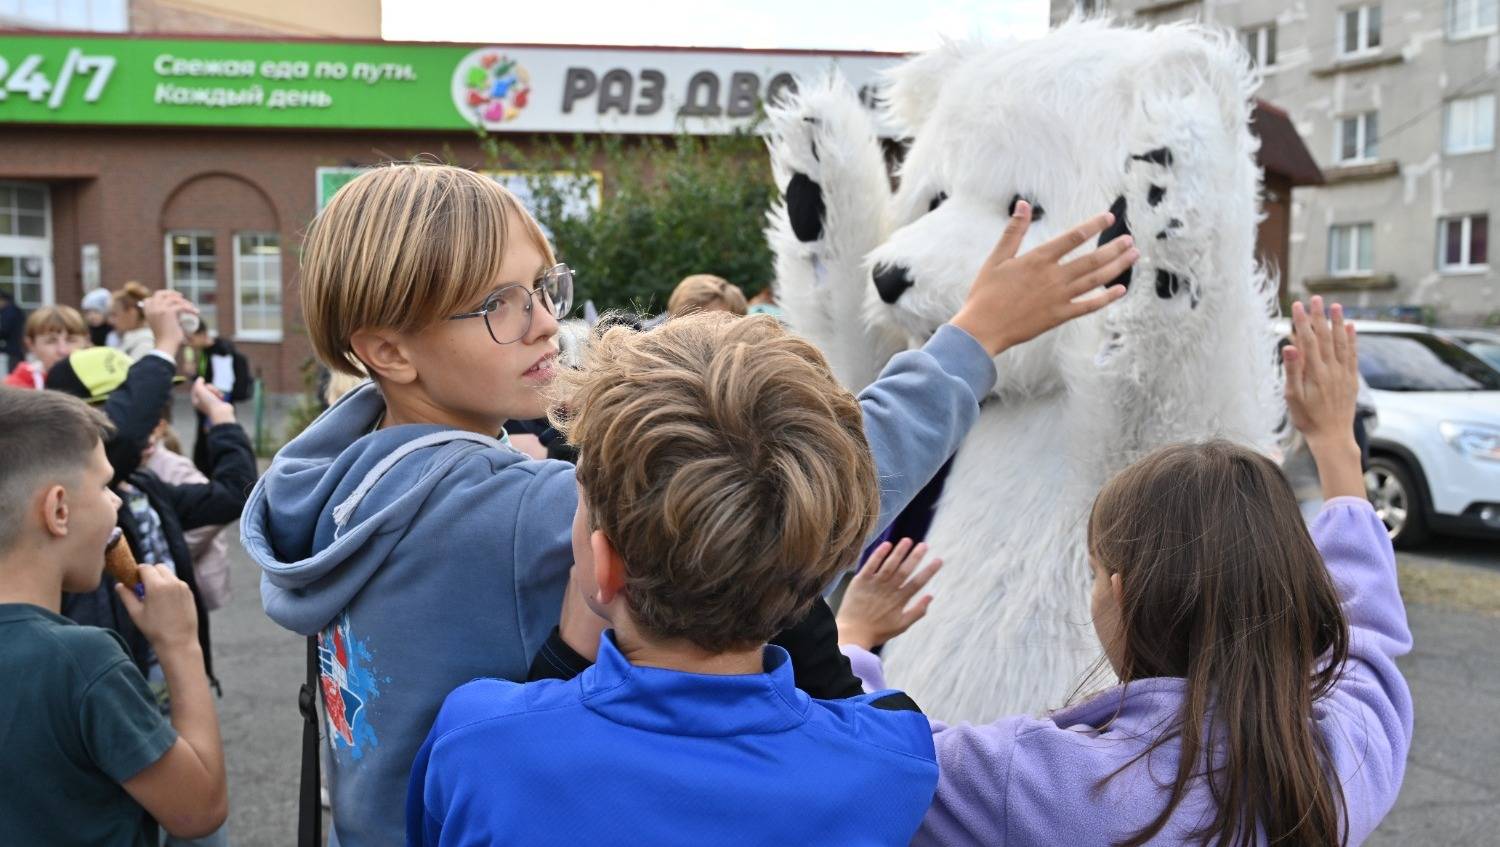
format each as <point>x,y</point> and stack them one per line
<point>1486,351</point>
<point>1397,362</point>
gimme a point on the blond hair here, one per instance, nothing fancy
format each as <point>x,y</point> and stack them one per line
<point>131,295</point>
<point>340,384</point>
<point>705,293</point>
<point>402,247</point>
<point>63,319</point>
<point>726,465</point>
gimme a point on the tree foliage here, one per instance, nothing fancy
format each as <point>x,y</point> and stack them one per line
<point>670,208</point>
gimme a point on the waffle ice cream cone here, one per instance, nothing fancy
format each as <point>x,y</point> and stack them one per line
<point>120,562</point>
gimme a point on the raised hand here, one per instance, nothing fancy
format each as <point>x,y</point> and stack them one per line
<point>1016,298</point>
<point>210,403</point>
<point>163,314</point>
<point>875,607</point>
<point>1322,382</point>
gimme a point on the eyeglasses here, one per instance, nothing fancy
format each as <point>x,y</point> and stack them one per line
<point>507,312</point>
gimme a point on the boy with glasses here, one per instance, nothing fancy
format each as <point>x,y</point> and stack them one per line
<point>422,551</point>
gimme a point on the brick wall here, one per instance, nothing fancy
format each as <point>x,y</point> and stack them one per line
<point>123,189</point>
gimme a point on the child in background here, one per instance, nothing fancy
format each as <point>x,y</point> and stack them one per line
<point>706,293</point>
<point>1259,682</point>
<point>424,552</point>
<point>134,334</point>
<point>88,758</point>
<point>223,367</point>
<point>52,333</point>
<point>208,545</point>
<point>95,306</point>
<point>694,585</point>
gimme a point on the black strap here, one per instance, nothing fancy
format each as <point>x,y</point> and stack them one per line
<point>309,803</point>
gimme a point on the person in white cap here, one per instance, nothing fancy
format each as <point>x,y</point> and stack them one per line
<point>96,313</point>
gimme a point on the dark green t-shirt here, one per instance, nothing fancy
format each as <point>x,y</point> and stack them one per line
<point>76,720</point>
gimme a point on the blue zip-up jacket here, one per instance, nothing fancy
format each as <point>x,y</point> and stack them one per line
<point>624,755</point>
<point>425,557</point>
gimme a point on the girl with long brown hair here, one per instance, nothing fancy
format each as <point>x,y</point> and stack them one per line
<point>1260,701</point>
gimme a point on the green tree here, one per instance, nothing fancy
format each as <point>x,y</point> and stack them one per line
<point>670,207</point>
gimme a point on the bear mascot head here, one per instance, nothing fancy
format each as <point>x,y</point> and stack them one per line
<point>1151,124</point>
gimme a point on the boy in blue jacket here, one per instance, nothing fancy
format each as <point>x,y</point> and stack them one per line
<point>723,480</point>
<point>424,552</point>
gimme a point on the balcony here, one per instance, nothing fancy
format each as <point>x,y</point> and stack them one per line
<point>1360,171</point>
<point>1358,62</point>
<point>1366,282</point>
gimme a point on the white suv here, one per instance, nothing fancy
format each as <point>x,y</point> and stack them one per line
<point>1435,453</point>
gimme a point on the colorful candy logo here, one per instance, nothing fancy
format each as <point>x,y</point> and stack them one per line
<point>490,88</point>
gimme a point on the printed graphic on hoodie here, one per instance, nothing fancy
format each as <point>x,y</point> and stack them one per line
<point>348,687</point>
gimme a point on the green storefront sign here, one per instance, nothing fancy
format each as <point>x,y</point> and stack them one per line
<point>81,80</point>
<point>115,81</point>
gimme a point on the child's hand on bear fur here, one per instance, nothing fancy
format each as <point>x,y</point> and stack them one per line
<point>875,605</point>
<point>1016,298</point>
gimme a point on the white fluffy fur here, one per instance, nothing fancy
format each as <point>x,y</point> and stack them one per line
<point>1058,121</point>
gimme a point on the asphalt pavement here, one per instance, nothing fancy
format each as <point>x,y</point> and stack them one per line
<point>1451,795</point>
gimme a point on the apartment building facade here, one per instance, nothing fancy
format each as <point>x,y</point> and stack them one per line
<point>1396,101</point>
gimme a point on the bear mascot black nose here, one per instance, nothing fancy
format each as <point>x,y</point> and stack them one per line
<point>891,280</point>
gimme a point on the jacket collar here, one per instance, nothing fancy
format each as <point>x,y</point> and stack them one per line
<point>1141,704</point>
<point>705,705</point>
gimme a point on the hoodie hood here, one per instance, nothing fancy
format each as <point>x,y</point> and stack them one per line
<point>338,497</point>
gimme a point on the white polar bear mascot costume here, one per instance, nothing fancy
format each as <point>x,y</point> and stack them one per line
<point>1152,124</point>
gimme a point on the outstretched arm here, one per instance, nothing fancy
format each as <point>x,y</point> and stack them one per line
<point>1368,716</point>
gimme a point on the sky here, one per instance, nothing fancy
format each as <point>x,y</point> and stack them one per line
<point>894,25</point>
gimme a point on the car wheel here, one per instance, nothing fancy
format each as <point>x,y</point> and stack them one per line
<point>1397,500</point>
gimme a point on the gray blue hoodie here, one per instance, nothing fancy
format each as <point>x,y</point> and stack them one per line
<point>424,557</point>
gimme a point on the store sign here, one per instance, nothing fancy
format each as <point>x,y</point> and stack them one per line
<point>347,85</point>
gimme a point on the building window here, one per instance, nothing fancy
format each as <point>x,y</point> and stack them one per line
<point>1359,30</point>
<point>1469,124</point>
<point>257,285</point>
<point>1463,243</point>
<point>1471,17</point>
<point>88,15</point>
<point>1351,250</point>
<point>21,276</point>
<point>1357,137</point>
<point>1260,43</point>
<point>23,210</point>
<point>191,268</point>
<point>1088,7</point>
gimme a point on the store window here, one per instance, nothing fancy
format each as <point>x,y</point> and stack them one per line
<point>1351,249</point>
<point>21,277</point>
<point>88,15</point>
<point>191,269</point>
<point>1463,243</point>
<point>1359,29</point>
<point>257,286</point>
<point>1468,18</point>
<point>23,210</point>
<point>1357,136</point>
<point>1260,43</point>
<point>1469,125</point>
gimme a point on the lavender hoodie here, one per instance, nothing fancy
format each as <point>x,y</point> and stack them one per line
<point>1024,780</point>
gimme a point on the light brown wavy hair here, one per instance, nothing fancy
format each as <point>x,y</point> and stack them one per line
<point>401,247</point>
<point>706,293</point>
<point>726,465</point>
<point>1223,587</point>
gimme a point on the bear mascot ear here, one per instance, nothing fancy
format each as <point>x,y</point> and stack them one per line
<point>911,88</point>
<point>1192,64</point>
